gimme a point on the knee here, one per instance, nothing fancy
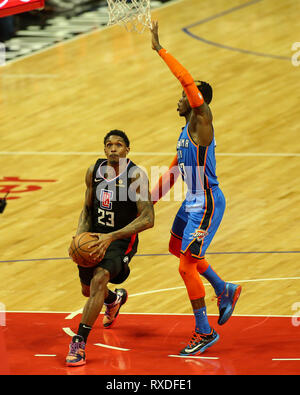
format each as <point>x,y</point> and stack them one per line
<point>183,273</point>
<point>187,266</point>
<point>191,278</point>
<point>100,280</point>
<point>185,269</point>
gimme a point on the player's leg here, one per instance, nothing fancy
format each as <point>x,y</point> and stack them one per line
<point>94,285</point>
<point>196,292</point>
<point>227,293</point>
<point>204,336</point>
<point>115,300</point>
<point>177,230</point>
<point>112,298</point>
<point>97,293</point>
<point>196,230</point>
<point>109,300</point>
<point>205,269</point>
<point>121,254</point>
<point>210,225</point>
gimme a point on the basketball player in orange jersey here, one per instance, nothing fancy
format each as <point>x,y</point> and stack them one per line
<point>117,207</point>
<point>201,212</point>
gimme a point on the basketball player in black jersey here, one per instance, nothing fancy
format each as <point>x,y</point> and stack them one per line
<point>117,207</point>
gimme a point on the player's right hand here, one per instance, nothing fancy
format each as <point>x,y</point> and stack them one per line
<point>155,39</point>
<point>99,247</point>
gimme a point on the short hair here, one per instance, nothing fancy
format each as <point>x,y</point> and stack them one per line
<point>119,133</point>
<point>206,91</point>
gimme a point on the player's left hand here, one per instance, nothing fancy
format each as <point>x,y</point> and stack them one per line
<point>100,246</point>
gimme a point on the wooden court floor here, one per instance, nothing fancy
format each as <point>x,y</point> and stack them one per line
<point>57,105</point>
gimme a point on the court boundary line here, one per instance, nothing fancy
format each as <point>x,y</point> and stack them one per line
<point>130,313</point>
<point>90,153</point>
<point>191,356</point>
<point>285,359</point>
<point>206,284</point>
<point>228,47</point>
<point>69,332</point>
<point>153,255</point>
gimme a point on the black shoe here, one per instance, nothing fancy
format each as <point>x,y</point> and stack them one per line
<point>200,343</point>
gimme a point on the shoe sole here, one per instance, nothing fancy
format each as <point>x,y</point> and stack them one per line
<point>74,364</point>
<point>108,326</point>
<point>236,296</point>
<point>202,349</point>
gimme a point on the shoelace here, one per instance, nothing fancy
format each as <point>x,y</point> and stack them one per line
<point>74,347</point>
<point>218,298</point>
<point>195,338</point>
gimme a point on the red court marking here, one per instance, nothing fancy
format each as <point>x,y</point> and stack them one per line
<point>13,188</point>
<point>11,7</point>
<point>4,369</point>
<point>246,346</point>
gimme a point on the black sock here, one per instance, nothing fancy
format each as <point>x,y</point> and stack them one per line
<point>84,331</point>
<point>111,297</point>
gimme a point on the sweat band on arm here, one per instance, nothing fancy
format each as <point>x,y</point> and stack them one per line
<point>193,94</point>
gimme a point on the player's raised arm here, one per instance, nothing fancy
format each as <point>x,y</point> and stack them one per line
<point>201,119</point>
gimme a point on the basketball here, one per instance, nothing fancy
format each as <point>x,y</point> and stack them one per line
<point>79,250</point>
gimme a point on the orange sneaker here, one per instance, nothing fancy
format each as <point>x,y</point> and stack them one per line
<point>76,356</point>
<point>112,310</point>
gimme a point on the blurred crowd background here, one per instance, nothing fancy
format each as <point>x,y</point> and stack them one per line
<point>68,8</point>
<point>11,24</point>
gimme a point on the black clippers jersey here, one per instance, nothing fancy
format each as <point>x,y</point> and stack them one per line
<point>114,204</point>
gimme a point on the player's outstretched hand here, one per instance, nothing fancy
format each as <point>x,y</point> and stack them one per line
<point>155,39</point>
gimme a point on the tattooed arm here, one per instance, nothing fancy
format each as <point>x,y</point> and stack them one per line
<point>144,221</point>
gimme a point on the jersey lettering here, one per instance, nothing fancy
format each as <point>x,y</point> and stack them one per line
<point>197,163</point>
<point>106,218</point>
<point>106,199</point>
<point>113,207</point>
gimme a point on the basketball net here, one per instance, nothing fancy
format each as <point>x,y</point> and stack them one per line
<point>135,15</point>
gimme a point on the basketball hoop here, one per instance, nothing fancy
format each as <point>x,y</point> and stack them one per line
<point>135,15</point>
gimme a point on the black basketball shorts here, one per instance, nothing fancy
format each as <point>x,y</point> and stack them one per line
<point>116,261</point>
